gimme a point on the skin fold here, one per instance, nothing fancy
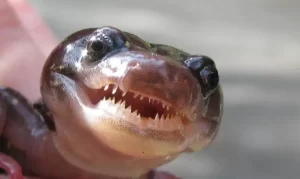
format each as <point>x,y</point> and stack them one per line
<point>112,106</point>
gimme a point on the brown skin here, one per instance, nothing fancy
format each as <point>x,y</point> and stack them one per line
<point>112,106</point>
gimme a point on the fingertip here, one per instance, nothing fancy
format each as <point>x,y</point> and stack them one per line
<point>25,44</point>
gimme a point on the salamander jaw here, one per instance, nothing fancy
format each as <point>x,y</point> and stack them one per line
<point>139,108</point>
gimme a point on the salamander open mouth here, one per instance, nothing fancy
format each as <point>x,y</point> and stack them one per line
<point>143,106</point>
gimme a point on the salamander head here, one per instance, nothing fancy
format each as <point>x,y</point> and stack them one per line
<point>144,101</point>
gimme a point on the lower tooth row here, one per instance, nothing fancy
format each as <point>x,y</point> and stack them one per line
<point>159,123</point>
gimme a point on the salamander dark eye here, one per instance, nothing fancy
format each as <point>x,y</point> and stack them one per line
<point>97,46</point>
<point>104,41</point>
<point>96,49</point>
<point>205,71</point>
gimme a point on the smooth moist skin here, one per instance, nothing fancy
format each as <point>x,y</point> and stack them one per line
<point>112,105</point>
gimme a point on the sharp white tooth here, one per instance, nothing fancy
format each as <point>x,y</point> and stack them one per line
<point>129,108</point>
<point>163,105</point>
<point>106,87</point>
<point>141,98</point>
<point>123,103</point>
<point>149,100</point>
<point>161,117</point>
<point>124,93</point>
<point>119,102</point>
<point>139,115</point>
<point>114,90</point>
<point>168,108</point>
<point>156,117</point>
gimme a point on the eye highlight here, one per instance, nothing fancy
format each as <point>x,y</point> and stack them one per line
<point>205,71</point>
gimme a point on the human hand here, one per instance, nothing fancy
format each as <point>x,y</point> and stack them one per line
<point>25,43</point>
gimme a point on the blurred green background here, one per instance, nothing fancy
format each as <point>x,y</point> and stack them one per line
<point>256,46</point>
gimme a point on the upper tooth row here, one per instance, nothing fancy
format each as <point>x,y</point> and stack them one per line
<point>135,96</point>
<point>121,104</point>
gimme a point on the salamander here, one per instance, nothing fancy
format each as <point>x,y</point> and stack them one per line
<point>112,106</point>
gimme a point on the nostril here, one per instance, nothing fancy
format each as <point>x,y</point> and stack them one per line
<point>204,70</point>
